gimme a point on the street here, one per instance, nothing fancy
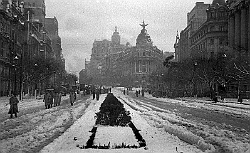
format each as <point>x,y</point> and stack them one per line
<point>189,126</point>
<point>219,120</point>
<point>35,126</point>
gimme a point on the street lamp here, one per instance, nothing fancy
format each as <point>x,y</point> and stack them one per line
<point>15,69</point>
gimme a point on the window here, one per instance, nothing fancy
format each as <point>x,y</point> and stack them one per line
<point>144,54</point>
<point>144,66</point>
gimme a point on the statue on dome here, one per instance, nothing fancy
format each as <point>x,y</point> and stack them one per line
<point>143,25</point>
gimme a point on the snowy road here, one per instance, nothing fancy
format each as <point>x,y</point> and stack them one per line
<point>222,119</point>
<point>35,126</point>
<point>158,141</point>
<point>226,128</point>
<point>165,124</point>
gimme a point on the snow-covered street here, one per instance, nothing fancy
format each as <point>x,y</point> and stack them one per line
<point>157,140</point>
<point>66,129</point>
<point>36,126</point>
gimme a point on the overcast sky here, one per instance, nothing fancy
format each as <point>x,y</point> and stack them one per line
<point>83,21</point>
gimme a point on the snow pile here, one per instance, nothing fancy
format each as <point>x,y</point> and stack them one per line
<point>78,134</point>
<point>115,136</point>
<point>37,128</point>
<point>204,137</point>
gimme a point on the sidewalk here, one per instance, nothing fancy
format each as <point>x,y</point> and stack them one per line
<point>24,104</point>
<point>228,102</point>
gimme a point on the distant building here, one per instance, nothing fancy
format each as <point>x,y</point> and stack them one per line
<point>211,38</point>
<point>114,63</point>
<point>138,62</point>
<point>195,18</point>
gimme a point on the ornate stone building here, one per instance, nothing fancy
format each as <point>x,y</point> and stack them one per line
<point>124,64</point>
<point>239,29</point>
<point>211,39</point>
<point>195,18</point>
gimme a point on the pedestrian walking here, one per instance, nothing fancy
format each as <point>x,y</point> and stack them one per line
<point>71,98</point>
<point>139,92</point>
<point>13,101</point>
<point>97,94</point>
<point>142,93</point>
<point>93,92</point>
<point>124,91</point>
<point>56,99</point>
<point>136,93</point>
<point>51,99</point>
<point>46,100</point>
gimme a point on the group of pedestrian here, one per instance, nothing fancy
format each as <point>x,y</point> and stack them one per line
<point>51,98</point>
<point>126,91</point>
<point>138,92</point>
<point>96,93</point>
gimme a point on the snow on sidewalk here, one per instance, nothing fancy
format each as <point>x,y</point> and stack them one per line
<point>234,108</point>
<point>78,134</point>
<point>25,104</point>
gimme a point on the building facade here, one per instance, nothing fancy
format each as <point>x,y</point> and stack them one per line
<point>12,36</point>
<point>239,29</point>
<point>211,39</point>
<point>195,18</point>
<point>125,65</point>
<point>23,40</point>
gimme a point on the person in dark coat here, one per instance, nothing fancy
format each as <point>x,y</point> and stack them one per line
<point>56,99</point>
<point>51,98</point>
<point>142,93</point>
<point>136,93</point>
<point>13,101</point>
<point>93,92</point>
<point>72,98</point>
<point>46,100</point>
<point>97,94</point>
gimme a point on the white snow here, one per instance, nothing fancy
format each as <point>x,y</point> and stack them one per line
<point>37,127</point>
<point>163,130</point>
<point>157,141</point>
<point>115,136</point>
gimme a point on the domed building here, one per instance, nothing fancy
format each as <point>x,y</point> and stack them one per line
<point>113,63</point>
<point>138,62</point>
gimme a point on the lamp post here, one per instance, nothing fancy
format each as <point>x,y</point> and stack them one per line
<point>194,79</point>
<point>15,69</point>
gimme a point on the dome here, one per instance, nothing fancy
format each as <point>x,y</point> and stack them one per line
<point>220,2</point>
<point>116,37</point>
<point>143,38</point>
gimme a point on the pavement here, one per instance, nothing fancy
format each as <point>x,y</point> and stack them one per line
<point>228,102</point>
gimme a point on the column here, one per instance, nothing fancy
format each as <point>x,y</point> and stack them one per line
<point>237,30</point>
<point>231,30</point>
<point>248,17</point>
<point>243,31</point>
